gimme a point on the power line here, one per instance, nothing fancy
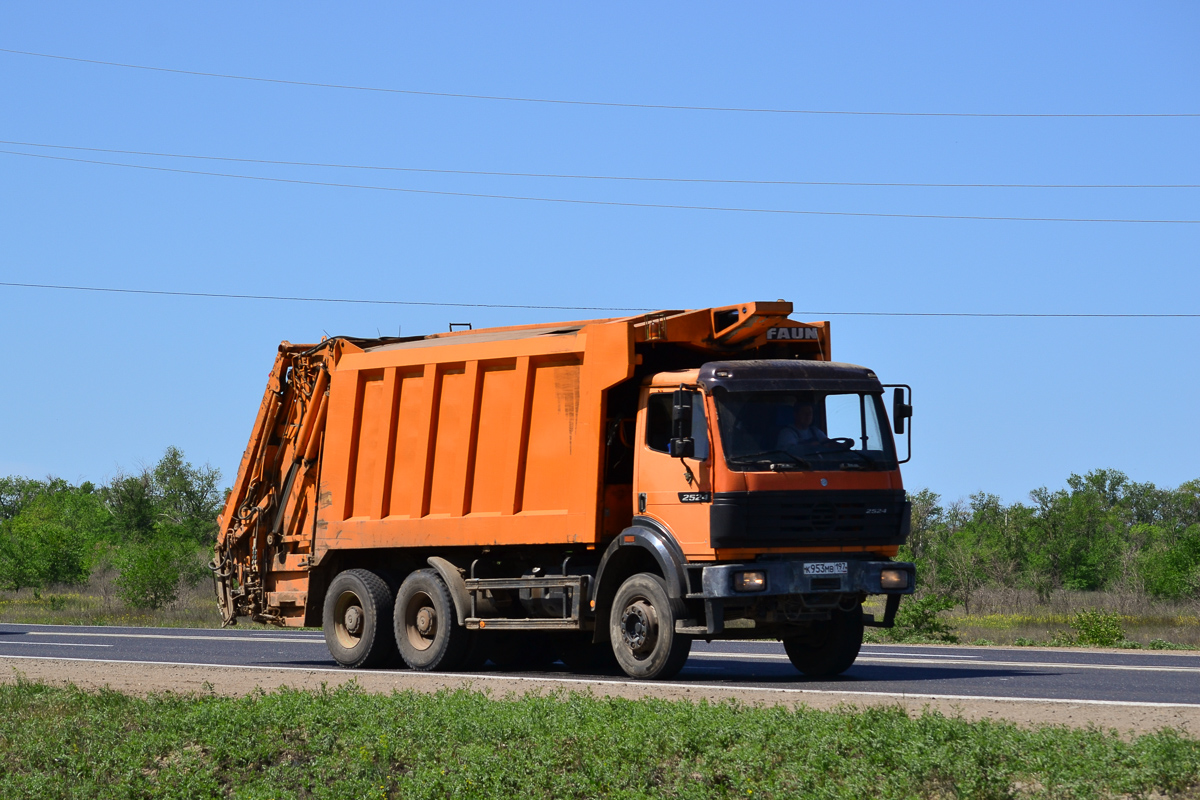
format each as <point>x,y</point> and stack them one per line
<point>226,296</point>
<point>573,176</point>
<point>595,103</point>
<point>617,203</point>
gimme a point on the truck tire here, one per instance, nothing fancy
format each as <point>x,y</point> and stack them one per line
<point>830,647</point>
<point>641,628</point>
<point>357,618</point>
<point>427,630</point>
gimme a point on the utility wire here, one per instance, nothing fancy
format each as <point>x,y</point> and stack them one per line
<point>623,204</point>
<point>612,177</point>
<point>574,308</point>
<point>595,103</point>
<point>310,299</point>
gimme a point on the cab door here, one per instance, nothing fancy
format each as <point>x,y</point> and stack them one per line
<point>661,489</point>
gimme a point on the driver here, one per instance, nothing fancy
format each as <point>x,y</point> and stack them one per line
<point>802,431</point>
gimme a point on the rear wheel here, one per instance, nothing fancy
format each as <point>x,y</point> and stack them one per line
<point>830,647</point>
<point>641,628</point>
<point>427,630</point>
<point>357,618</point>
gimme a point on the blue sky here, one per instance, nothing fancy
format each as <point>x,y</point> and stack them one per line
<point>95,382</point>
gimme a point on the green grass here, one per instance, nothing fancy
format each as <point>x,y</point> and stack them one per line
<point>66,743</point>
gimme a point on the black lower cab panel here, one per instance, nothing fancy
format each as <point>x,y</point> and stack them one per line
<point>809,517</point>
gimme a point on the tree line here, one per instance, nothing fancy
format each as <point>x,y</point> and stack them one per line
<point>155,529</point>
<point>1102,532</point>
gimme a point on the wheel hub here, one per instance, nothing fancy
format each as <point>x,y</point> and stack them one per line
<point>426,621</point>
<point>639,627</point>
<point>354,621</point>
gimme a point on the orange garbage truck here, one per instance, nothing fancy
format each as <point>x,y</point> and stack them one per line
<point>589,491</point>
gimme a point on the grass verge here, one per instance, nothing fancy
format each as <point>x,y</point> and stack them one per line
<point>59,743</point>
<point>1020,618</point>
<point>97,604</point>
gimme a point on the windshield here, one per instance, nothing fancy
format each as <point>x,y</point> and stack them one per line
<point>803,430</point>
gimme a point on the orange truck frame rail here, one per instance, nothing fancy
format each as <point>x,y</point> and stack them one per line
<point>583,491</point>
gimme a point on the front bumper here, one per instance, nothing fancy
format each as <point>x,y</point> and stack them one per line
<point>789,578</point>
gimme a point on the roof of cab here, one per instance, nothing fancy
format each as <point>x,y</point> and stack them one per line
<point>787,374</point>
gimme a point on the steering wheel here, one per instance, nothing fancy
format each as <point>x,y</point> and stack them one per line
<point>844,442</point>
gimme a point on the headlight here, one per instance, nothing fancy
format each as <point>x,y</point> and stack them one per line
<point>893,579</point>
<point>749,581</point>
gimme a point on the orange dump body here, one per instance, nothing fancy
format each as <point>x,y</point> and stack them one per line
<point>483,439</point>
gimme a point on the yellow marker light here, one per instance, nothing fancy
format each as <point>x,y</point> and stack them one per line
<point>749,581</point>
<point>893,579</point>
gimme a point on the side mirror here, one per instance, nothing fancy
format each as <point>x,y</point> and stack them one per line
<point>681,444</point>
<point>900,410</point>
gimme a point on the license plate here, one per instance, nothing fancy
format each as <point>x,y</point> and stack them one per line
<point>826,568</point>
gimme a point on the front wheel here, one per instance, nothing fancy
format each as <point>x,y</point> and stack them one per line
<point>641,628</point>
<point>357,618</point>
<point>829,647</point>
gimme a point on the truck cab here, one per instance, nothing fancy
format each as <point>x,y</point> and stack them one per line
<point>777,484</point>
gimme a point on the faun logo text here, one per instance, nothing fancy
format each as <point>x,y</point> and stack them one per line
<point>791,333</point>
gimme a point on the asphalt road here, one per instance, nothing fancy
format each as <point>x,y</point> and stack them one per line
<point>901,670</point>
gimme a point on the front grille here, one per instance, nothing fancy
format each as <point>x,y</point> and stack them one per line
<point>801,518</point>
<point>804,518</point>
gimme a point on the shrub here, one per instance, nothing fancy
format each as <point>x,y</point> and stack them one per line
<point>152,573</point>
<point>1098,628</point>
<point>1163,644</point>
<point>1170,568</point>
<point>1064,639</point>
<point>919,619</point>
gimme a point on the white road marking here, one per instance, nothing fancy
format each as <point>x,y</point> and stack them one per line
<point>907,660</point>
<point>1041,664</point>
<point>51,644</point>
<point>914,655</point>
<point>466,677</point>
<point>172,636</point>
<point>865,653</point>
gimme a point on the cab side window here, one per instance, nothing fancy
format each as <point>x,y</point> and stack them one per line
<point>658,423</point>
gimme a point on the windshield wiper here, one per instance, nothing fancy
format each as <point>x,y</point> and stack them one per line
<point>758,458</point>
